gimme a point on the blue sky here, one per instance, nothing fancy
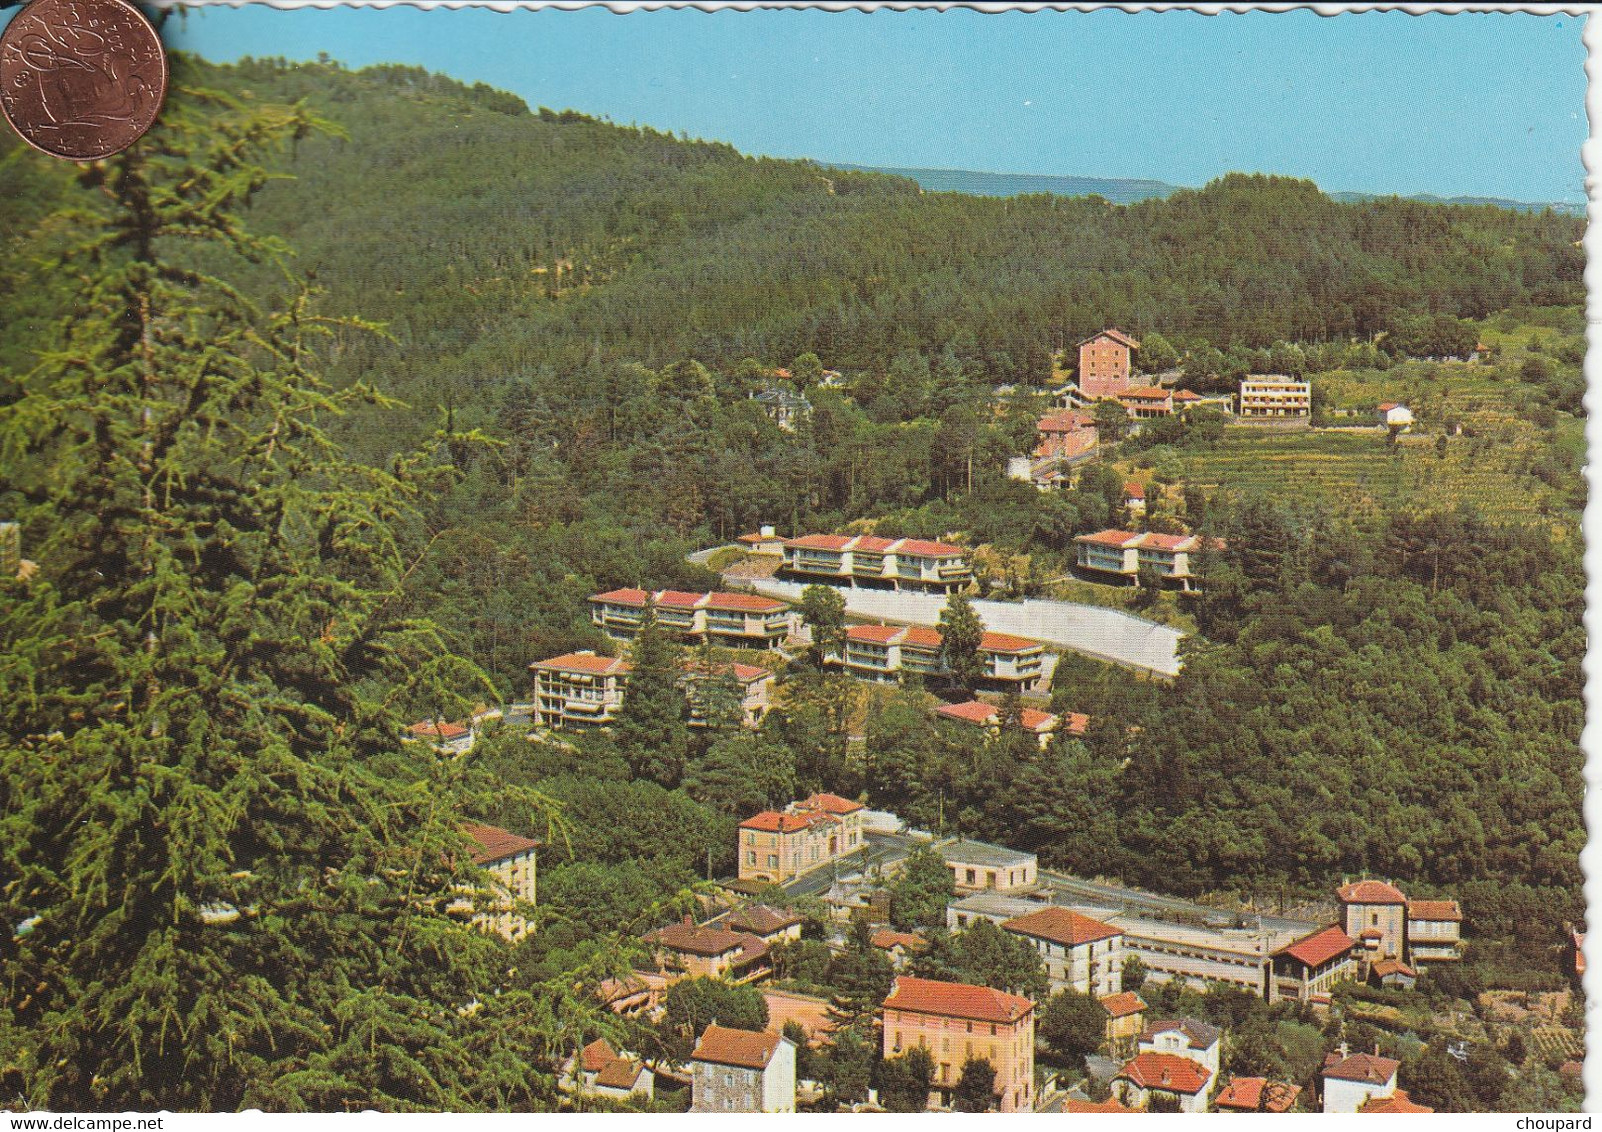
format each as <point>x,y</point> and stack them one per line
<point>1489,104</point>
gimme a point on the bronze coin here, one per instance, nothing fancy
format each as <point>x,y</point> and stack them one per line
<point>81,79</point>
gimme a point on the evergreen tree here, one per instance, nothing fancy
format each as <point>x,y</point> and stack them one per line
<point>921,891</point>
<point>961,634</point>
<point>976,1090</point>
<point>650,725</point>
<point>226,904</point>
<point>823,611</point>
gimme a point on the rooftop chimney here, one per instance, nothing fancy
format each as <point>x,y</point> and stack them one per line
<point>1344,1050</point>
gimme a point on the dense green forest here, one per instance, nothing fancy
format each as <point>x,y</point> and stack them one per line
<point>572,315</point>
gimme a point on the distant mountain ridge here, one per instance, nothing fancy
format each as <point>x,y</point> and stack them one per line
<point>1122,190</point>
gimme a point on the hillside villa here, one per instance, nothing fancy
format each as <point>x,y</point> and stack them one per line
<point>1124,553</point>
<point>900,563</point>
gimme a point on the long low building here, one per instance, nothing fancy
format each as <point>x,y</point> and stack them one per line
<point>886,652</point>
<point>580,689</point>
<point>732,619</point>
<point>900,563</point>
<point>1196,954</point>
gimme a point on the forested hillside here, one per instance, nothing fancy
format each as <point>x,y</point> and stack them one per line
<point>1383,675</point>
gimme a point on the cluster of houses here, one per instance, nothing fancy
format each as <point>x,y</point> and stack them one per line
<point>1382,937</point>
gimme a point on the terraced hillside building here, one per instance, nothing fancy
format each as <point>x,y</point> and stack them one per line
<point>1271,397</point>
<point>868,560</point>
<point>1123,554</point>
<point>747,621</point>
<point>884,653</point>
<point>578,690</point>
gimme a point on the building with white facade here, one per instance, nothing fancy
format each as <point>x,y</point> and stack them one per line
<point>735,620</point>
<point>1078,953</point>
<point>899,563</point>
<point>1267,397</point>
<point>1173,558</point>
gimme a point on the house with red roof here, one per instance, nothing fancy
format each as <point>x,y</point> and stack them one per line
<point>1393,974</point>
<point>1256,1094</point>
<point>1126,1020</point>
<point>446,738</point>
<point>742,1071</point>
<point>690,951</point>
<point>1135,497</point>
<point>1395,415</point>
<point>1156,1081</point>
<point>1375,915</point>
<point>778,846</point>
<point>1104,363</point>
<point>510,864</point>
<point>902,947</point>
<point>735,620</point>
<point>1124,554</point>
<point>599,1071</point>
<point>1068,434</point>
<point>883,653</point>
<point>956,1022</point>
<point>1309,967</point>
<point>1145,402</point>
<point>1078,953</point>
<point>764,542</point>
<point>1041,724</point>
<point>893,563</point>
<point>578,689</point>
<point>1186,1038</point>
<point>1352,1080</point>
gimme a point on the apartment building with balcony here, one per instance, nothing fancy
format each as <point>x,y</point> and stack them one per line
<point>1174,558</point>
<point>755,683</point>
<point>884,653</point>
<point>899,563</point>
<point>1268,397</point>
<point>578,689</point>
<point>731,619</point>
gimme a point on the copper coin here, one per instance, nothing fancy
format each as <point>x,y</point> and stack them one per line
<point>81,79</point>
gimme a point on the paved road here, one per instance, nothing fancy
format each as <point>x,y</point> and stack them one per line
<point>1095,631</point>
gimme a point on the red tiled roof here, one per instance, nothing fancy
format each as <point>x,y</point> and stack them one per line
<point>919,637</point>
<point>884,939</point>
<point>771,821</point>
<point>1398,1101</point>
<point>496,844</point>
<point>1133,490</point>
<point>626,596</point>
<point>1166,1071</point>
<point>619,1073</point>
<point>1186,395</point>
<point>1146,393</point>
<point>744,673</point>
<point>830,804</point>
<point>443,732</point>
<point>925,549</point>
<point>1364,1067</point>
<point>596,1056</point>
<point>985,715</point>
<point>1116,539</point>
<point>956,1000</point>
<point>1434,910</point>
<point>1246,1094</point>
<point>1387,406</point>
<point>1116,335</point>
<point>759,919</point>
<point>1320,947</point>
<point>746,1049</point>
<point>1111,1104</point>
<point>877,634</point>
<point>1370,892</point>
<point>819,542</point>
<point>1123,1005</point>
<point>873,544</point>
<point>678,599</point>
<point>1005,642</point>
<point>1078,722</point>
<point>1061,925</point>
<point>1387,967</point>
<point>757,537</point>
<point>1065,422</point>
<point>584,662</point>
<point>753,603</point>
<point>696,940</point>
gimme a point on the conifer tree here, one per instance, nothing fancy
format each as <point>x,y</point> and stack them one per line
<point>650,725</point>
<point>961,634</point>
<point>222,905</point>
